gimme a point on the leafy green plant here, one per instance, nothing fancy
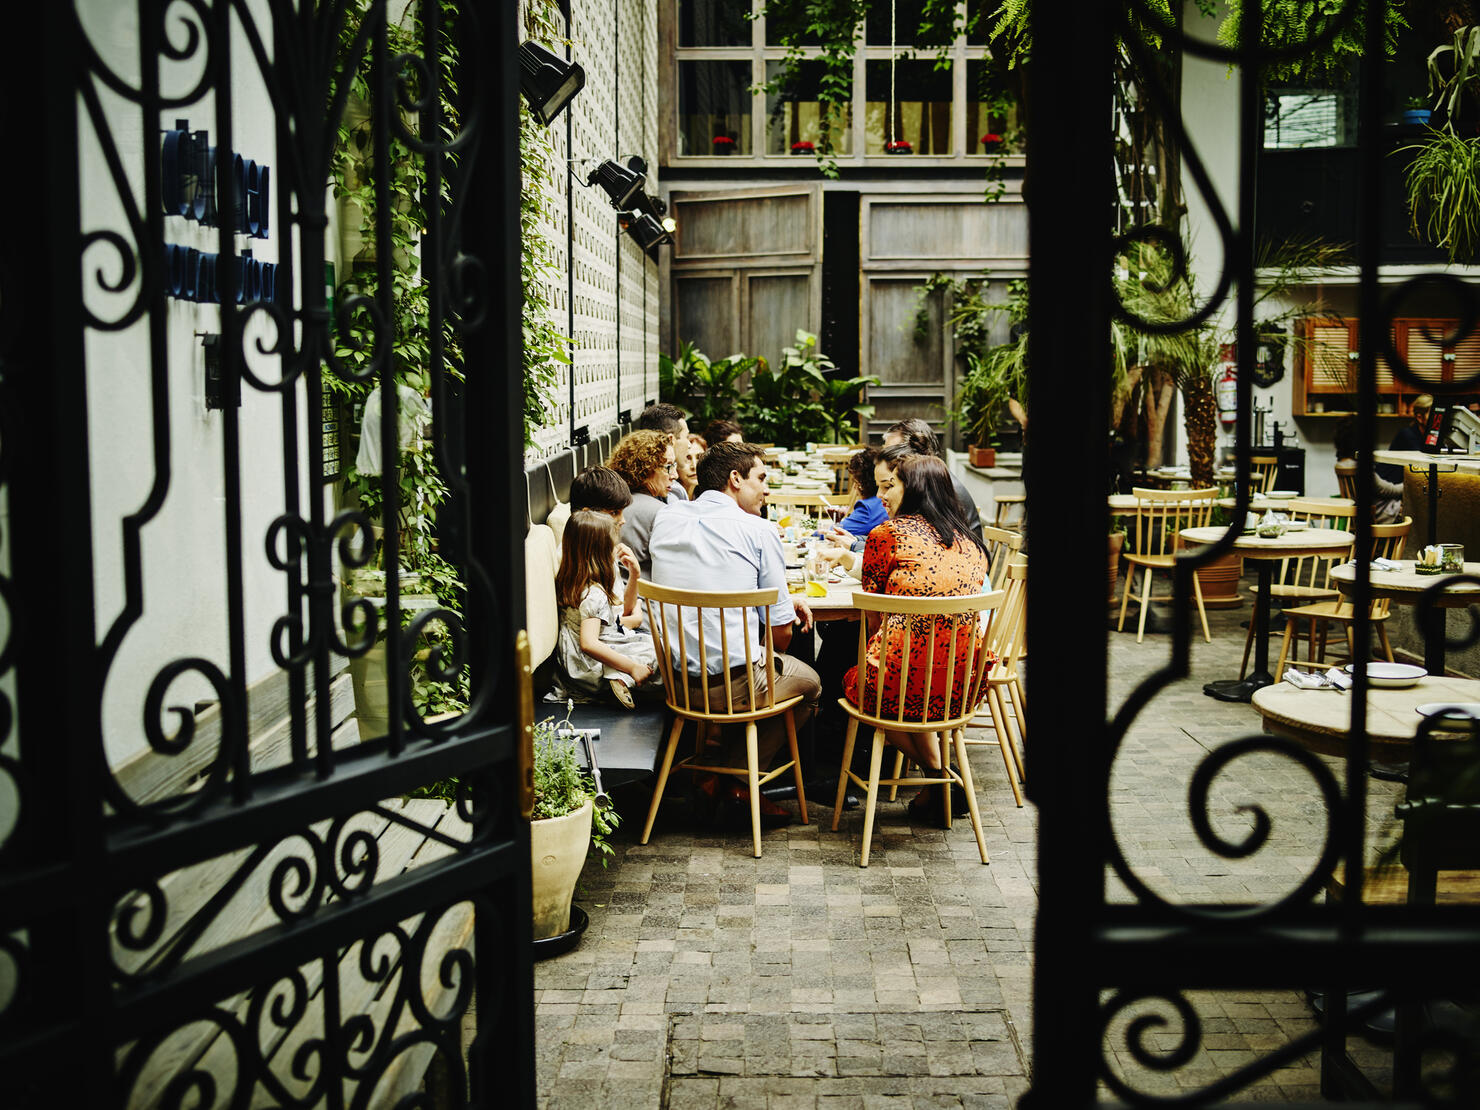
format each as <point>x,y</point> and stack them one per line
<point>706,389</point>
<point>561,786</point>
<point>1464,55</point>
<point>796,401</point>
<point>843,406</point>
<point>1444,192</point>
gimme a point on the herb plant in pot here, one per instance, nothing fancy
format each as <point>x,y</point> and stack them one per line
<point>569,819</point>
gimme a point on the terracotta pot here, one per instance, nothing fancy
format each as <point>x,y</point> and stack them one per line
<point>1219,581</point>
<point>982,456</point>
<point>557,851</point>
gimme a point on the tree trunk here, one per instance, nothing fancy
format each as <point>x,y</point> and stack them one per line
<point>1200,419</point>
<point>1160,389</point>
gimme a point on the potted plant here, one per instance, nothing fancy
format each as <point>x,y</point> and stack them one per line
<point>569,820</point>
<point>1416,110</point>
<point>803,147</point>
<point>899,146</point>
<point>1443,195</point>
<point>722,144</point>
<point>991,142</point>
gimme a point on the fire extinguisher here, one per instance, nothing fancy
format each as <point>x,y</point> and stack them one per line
<point>1225,391</point>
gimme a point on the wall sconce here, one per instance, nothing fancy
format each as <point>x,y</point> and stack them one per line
<point>621,183</point>
<point>548,81</point>
<point>221,393</point>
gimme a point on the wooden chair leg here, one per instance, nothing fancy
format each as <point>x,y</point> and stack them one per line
<point>1201,612</point>
<point>970,787</point>
<point>673,735</point>
<point>1279,668</point>
<point>1321,647</point>
<point>1008,697</point>
<point>752,770</point>
<point>1125,596</point>
<point>1004,741</point>
<point>871,798</point>
<point>796,764</point>
<point>1243,666</point>
<point>1382,636</point>
<point>844,772</point>
<point>944,772</point>
<point>898,770</point>
<point>1145,604</point>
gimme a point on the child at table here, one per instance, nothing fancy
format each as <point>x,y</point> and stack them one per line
<point>601,647</point>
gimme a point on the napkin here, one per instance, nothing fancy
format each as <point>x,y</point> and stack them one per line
<point>1378,564</point>
<point>1317,680</point>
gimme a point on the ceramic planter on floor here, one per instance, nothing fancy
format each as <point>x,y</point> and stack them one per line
<point>557,850</point>
<point>1219,581</point>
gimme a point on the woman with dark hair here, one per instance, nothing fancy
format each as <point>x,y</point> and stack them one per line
<point>723,431</point>
<point>868,511</point>
<point>925,549</point>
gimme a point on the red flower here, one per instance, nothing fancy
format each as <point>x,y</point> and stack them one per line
<point>723,140</point>
<point>899,146</point>
<point>803,145</point>
<point>991,138</point>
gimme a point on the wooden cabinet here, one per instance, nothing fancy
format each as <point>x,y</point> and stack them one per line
<point>1327,384</point>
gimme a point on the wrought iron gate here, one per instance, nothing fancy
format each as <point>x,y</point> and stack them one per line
<point>1127,964</point>
<point>205,891</point>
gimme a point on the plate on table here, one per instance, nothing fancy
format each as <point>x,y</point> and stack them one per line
<point>1281,494</point>
<point>1393,676</point>
<point>1450,709</point>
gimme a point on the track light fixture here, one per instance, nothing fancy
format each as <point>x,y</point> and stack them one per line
<point>622,184</point>
<point>646,232</point>
<point>548,81</point>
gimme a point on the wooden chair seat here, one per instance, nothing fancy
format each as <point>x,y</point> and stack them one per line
<point>1388,886</point>
<point>689,699</point>
<point>1006,503</point>
<point>957,708</point>
<point>1313,593</point>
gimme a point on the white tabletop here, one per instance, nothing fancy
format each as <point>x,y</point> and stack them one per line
<point>1468,464</point>
<point>1305,541</point>
<point>1405,586</point>
<point>1321,719</point>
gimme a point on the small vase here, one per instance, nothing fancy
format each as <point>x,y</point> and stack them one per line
<point>723,148</point>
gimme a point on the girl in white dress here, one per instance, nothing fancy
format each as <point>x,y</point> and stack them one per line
<point>601,648</point>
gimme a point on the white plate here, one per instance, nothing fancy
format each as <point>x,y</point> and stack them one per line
<point>1394,676</point>
<point>1280,494</point>
<point>1459,709</point>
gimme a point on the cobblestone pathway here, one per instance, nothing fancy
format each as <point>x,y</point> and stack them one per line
<point>711,979</point>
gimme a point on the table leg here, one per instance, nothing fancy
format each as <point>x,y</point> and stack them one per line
<point>1433,641</point>
<point>1434,505</point>
<point>1242,689</point>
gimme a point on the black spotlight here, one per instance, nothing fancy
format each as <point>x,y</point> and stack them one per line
<point>548,81</point>
<point>621,184</point>
<point>647,232</point>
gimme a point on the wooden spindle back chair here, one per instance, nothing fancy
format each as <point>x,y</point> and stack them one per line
<point>690,696</point>
<point>1153,542</point>
<point>1002,545</point>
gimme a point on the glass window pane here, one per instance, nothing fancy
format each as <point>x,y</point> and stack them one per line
<point>714,108</point>
<point>910,106</point>
<point>713,23</point>
<point>1309,118</point>
<point>793,116</point>
<point>909,15</point>
<point>991,111</point>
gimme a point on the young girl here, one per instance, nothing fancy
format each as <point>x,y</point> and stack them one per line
<point>600,646</point>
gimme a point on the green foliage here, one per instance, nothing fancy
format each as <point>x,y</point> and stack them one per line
<point>707,390</point>
<point>1448,91</point>
<point>1444,192</point>
<point>993,373</point>
<point>796,402</point>
<point>545,347</point>
<point>1289,24</point>
<point>561,787</point>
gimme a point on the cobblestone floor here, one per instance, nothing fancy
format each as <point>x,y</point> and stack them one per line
<point>710,979</point>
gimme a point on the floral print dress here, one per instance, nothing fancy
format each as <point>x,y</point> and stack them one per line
<point>905,558</point>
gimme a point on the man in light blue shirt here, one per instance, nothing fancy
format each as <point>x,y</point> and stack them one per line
<point>720,542</point>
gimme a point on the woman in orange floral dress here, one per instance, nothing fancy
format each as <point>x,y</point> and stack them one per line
<point>925,549</point>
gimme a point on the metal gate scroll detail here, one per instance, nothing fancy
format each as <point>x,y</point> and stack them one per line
<point>228,875</point>
<point>1117,961</point>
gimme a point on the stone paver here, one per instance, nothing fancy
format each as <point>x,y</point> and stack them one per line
<point>708,978</point>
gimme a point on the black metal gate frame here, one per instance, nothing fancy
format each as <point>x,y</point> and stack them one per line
<point>1095,961</point>
<point>79,852</point>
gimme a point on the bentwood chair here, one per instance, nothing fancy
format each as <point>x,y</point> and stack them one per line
<point>1153,544</point>
<point>692,699</point>
<point>961,687</point>
<point>1387,543</point>
<point>1306,579</point>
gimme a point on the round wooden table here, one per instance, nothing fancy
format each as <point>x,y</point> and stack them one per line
<point>1265,552</point>
<point>1405,587</point>
<point>1321,719</point>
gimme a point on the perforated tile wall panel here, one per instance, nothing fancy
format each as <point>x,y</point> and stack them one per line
<point>610,312</point>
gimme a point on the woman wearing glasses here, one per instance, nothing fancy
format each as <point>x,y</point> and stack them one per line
<point>646,461</point>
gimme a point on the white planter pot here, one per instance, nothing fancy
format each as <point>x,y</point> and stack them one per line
<point>557,849</point>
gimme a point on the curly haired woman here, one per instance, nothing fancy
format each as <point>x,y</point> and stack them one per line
<point>645,460</point>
